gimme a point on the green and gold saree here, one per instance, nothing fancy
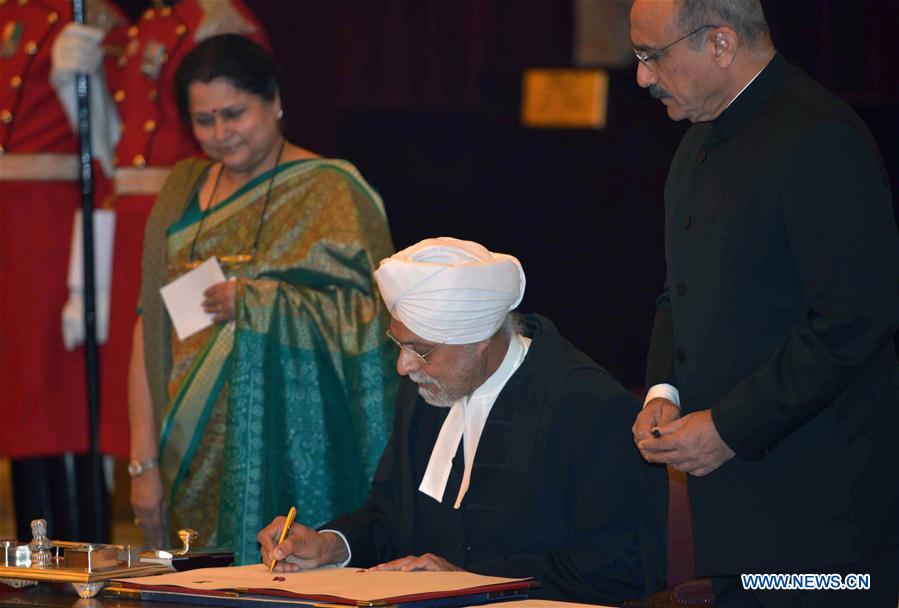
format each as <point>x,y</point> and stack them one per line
<point>290,404</point>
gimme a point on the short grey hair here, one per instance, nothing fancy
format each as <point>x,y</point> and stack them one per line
<point>745,17</point>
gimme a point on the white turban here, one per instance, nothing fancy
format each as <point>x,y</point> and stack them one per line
<point>450,291</point>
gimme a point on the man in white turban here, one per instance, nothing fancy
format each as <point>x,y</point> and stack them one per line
<point>510,454</point>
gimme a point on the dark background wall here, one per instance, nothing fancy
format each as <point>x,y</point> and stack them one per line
<point>423,96</point>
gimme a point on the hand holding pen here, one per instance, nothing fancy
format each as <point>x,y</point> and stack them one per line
<point>291,548</point>
<point>291,515</point>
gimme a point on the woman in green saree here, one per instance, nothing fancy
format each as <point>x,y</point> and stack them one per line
<point>286,399</point>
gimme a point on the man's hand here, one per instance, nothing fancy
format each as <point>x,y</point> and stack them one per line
<point>411,563</point>
<point>690,444</point>
<point>657,412</point>
<point>303,548</point>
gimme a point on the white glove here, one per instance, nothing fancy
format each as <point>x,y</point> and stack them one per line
<point>73,311</point>
<point>77,49</point>
<point>73,319</point>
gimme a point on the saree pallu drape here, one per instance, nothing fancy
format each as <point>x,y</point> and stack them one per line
<point>290,404</point>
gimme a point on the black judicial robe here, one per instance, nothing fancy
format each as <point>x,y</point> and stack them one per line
<point>558,490</point>
<point>778,315</point>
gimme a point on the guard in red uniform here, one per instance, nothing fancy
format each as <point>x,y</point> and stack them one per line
<point>153,137</point>
<point>43,412</point>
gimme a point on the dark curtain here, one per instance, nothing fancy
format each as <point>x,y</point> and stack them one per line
<point>424,95</point>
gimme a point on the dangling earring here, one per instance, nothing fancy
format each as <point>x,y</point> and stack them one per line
<point>280,114</point>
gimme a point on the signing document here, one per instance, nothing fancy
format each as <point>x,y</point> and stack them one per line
<point>329,584</point>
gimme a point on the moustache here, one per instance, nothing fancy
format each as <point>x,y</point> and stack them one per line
<point>658,92</point>
<point>420,378</point>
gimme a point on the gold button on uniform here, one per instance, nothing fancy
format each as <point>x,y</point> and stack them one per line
<point>165,11</point>
<point>119,96</point>
<point>152,95</point>
<point>53,17</point>
<point>149,14</point>
<point>122,61</point>
<point>31,47</point>
<point>139,161</point>
<point>150,126</point>
<point>5,116</point>
<point>132,31</point>
<point>181,30</point>
<point>23,2</point>
<point>15,82</point>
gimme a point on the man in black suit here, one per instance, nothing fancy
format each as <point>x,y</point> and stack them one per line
<point>773,376</point>
<point>509,455</point>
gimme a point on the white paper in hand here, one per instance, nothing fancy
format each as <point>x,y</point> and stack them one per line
<point>183,298</point>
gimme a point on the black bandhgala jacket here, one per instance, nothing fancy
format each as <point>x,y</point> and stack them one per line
<point>779,311</point>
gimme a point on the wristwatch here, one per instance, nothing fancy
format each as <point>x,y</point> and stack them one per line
<point>136,467</point>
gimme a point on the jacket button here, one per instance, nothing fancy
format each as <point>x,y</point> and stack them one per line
<point>680,355</point>
<point>686,222</point>
<point>680,288</point>
<point>702,156</point>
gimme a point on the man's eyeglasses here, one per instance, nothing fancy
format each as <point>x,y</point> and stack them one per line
<point>646,58</point>
<point>406,348</point>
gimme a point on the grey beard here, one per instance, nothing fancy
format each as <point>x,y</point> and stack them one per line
<point>437,397</point>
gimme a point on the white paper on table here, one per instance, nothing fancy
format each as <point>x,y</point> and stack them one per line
<point>183,298</point>
<point>357,585</point>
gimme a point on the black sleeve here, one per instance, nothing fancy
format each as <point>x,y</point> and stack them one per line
<point>660,358</point>
<point>617,505</point>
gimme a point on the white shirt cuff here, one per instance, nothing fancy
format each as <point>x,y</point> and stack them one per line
<point>665,391</point>
<point>346,543</point>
